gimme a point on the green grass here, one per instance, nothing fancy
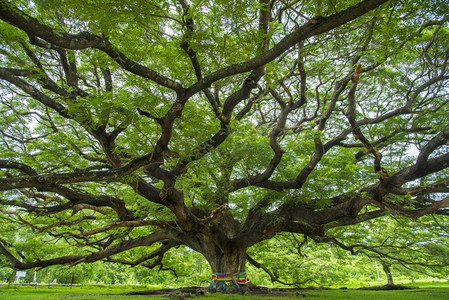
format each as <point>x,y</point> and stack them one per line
<point>79,293</point>
<point>427,291</point>
<point>415,294</point>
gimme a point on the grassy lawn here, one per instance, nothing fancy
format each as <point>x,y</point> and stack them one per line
<point>81,293</point>
<point>425,291</point>
<point>415,294</point>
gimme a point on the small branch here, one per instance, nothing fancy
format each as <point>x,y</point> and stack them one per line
<point>159,253</point>
<point>185,45</point>
<point>149,115</point>
<point>440,139</point>
<point>135,223</point>
<point>273,276</point>
<point>416,171</point>
<point>398,209</point>
<point>294,10</point>
<point>57,224</point>
<point>107,76</point>
<point>215,214</point>
<point>356,130</point>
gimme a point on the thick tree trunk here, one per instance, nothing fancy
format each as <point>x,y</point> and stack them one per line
<point>222,250</point>
<point>223,257</point>
<point>227,261</point>
<point>387,271</point>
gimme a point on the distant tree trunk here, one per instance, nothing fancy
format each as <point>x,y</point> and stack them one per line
<point>387,271</point>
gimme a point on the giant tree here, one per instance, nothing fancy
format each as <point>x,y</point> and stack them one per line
<point>132,127</point>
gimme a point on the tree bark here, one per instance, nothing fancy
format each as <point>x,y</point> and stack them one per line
<point>225,259</point>
<point>228,263</point>
<point>387,271</point>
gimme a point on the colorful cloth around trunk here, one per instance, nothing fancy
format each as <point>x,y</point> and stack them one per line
<point>221,281</point>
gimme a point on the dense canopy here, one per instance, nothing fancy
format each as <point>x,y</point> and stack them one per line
<point>129,128</point>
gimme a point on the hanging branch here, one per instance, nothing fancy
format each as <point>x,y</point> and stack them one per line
<point>357,133</point>
<point>275,277</point>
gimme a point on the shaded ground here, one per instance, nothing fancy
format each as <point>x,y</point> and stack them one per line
<point>248,289</point>
<point>388,287</point>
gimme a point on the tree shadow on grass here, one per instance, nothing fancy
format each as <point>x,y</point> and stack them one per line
<point>389,287</point>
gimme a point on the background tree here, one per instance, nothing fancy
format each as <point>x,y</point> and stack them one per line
<point>400,243</point>
<point>387,247</point>
<point>130,128</point>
